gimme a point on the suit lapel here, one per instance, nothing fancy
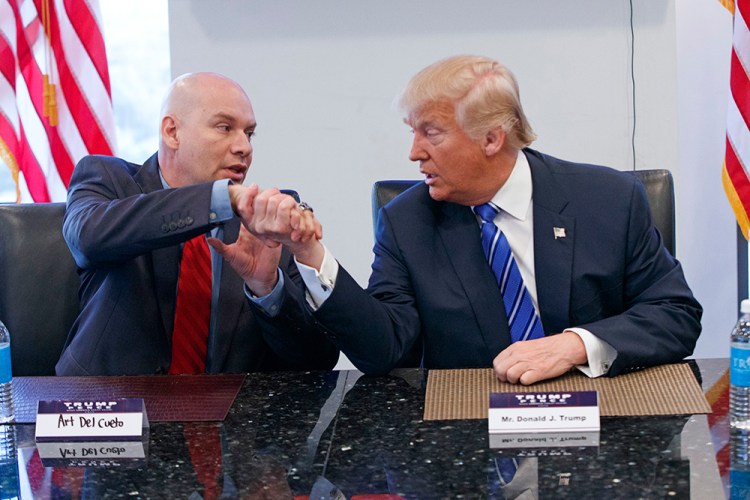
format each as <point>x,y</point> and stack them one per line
<point>554,238</point>
<point>164,261</point>
<point>459,232</point>
<point>226,316</point>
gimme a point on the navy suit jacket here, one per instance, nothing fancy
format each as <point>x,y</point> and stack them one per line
<point>125,233</point>
<point>431,284</point>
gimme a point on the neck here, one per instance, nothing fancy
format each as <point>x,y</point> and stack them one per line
<point>503,164</point>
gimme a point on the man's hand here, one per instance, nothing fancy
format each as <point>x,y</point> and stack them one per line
<point>540,359</point>
<point>276,218</point>
<point>254,261</point>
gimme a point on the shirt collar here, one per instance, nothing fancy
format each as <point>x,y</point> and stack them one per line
<point>514,197</point>
<point>163,180</point>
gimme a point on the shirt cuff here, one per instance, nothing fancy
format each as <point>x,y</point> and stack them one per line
<point>221,206</point>
<point>600,354</point>
<point>271,303</point>
<point>319,284</point>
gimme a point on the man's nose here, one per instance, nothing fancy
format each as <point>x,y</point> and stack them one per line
<point>242,145</point>
<point>417,151</point>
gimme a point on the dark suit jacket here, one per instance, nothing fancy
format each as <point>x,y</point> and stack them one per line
<point>124,231</point>
<point>430,282</point>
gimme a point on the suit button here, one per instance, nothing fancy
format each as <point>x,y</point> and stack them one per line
<point>165,228</point>
<point>172,226</point>
<point>189,220</point>
<point>181,223</point>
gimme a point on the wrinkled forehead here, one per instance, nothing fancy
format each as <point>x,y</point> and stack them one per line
<point>227,101</point>
<point>434,113</point>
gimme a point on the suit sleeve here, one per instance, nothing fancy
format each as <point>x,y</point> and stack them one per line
<point>660,322</point>
<point>376,328</point>
<point>295,339</point>
<point>109,219</point>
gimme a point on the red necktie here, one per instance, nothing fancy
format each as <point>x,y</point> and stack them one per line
<point>193,310</point>
<point>204,446</point>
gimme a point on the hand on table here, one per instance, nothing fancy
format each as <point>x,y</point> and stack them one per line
<point>530,361</point>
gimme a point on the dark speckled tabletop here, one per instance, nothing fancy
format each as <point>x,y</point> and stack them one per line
<point>316,435</point>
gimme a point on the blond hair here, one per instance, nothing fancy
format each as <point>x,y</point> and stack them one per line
<point>484,93</point>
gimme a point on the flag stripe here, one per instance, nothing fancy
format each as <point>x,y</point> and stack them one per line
<point>85,26</point>
<point>35,180</point>
<point>738,175</point>
<point>740,88</point>
<point>34,154</point>
<point>7,42</point>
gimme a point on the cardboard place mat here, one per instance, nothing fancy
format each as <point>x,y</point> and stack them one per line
<point>660,390</point>
<point>168,398</point>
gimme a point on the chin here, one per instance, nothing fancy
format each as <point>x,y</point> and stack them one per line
<point>438,194</point>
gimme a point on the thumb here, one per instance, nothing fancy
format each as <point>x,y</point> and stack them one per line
<point>218,245</point>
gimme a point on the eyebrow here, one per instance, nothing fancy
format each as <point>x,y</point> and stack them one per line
<point>221,115</point>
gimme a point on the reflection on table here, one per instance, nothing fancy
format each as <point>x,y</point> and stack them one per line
<point>324,434</point>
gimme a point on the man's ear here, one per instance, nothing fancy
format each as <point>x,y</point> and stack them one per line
<point>169,132</point>
<point>493,141</point>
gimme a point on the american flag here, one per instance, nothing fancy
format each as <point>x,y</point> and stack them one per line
<point>55,98</point>
<point>735,176</point>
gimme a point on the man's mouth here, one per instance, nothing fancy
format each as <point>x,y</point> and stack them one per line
<point>428,177</point>
<point>236,171</point>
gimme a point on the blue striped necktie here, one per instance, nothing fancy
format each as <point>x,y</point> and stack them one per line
<point>522,318</point>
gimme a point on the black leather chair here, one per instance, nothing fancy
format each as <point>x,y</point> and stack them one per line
<point>659,190</point>
<point>38,285</point>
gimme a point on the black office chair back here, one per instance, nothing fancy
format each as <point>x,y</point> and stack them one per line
<point>38,285</point>
<point>659,191</point>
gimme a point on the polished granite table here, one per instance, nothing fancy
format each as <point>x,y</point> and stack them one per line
<point>323,434</point>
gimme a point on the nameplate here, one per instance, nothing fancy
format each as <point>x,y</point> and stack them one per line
<point>549,412</point>
<point>544,440</point>
<point>111,420</point>
<point>92,453</point>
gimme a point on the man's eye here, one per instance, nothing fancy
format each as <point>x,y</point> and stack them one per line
<point>250,134</point>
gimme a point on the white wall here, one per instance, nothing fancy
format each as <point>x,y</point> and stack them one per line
<point>706,230</point>
<point>323,76</point>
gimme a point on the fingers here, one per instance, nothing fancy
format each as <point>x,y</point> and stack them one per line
<point>530,361</point>
<point>305,227</point>
<point>266,205</point>
<point>279,218</point>
<point>517,364</point>
<point>242,199</point>
<point>518,373</point>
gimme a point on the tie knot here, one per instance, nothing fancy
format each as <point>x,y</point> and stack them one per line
<point>487,212</point>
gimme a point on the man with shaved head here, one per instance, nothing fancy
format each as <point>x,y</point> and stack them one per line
<point>148,304</point>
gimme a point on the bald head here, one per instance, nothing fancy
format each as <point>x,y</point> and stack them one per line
<point>189,89</point>
<point>207,121</point>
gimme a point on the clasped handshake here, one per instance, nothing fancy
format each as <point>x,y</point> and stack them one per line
<point>270,219</point>
<point>275,217</point>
